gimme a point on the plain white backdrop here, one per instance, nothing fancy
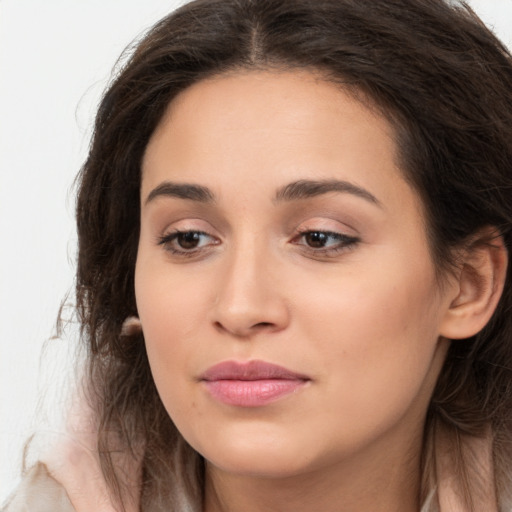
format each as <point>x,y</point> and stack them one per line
<point>55,59</point>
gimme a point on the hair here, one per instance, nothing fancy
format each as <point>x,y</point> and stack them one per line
<point>443,80</point>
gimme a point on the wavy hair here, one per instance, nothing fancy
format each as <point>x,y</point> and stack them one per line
<point>442,79</point>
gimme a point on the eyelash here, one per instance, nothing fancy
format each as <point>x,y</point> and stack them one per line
<point>167,242</point>
<point>343,242</point>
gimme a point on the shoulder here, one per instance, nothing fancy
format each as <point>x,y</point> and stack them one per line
<point>38,492</point>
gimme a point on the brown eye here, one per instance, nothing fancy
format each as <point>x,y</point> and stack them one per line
<point>325,242</point>
<point>316,239</point>
<point>187,242</point>
<point>189,239</point>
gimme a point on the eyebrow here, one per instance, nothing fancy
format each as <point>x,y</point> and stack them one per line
<point>297,190</point>
<point>181,191</point>
<point>305,189</point>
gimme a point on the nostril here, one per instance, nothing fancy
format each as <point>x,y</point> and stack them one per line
<point>263,324</point>
<point>244,331</point>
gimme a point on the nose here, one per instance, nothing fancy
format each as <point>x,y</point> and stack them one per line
<point>249,296</point>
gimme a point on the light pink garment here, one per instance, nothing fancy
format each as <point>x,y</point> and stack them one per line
<point>68,474</point>
<point>39,492</point>
<point>75,465</point>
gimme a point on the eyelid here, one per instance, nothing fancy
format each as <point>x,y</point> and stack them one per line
<point>337,237</point>
<point>171,213</point>
<point>168,240</point>
<point>332,234</point>
<point>331,252</point>
<point>173,234</point>
<point>326,223</point>
<point>183,222</point>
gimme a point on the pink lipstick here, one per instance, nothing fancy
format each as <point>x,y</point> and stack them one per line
<point>251,384</point>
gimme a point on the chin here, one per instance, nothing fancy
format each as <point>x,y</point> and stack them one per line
<point>260,465</point>
<point>258,455</point>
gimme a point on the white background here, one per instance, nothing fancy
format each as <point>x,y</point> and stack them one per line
<point>55,59</point>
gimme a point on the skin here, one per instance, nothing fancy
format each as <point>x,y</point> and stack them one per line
<point>363,317</point>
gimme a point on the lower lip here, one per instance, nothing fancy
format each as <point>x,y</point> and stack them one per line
<point>252,393</point>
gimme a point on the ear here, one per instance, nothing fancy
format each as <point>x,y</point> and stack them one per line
<point>478,287</point>
<point>131,326</point>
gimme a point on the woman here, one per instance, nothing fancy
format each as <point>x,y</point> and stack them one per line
<point>294,228</point>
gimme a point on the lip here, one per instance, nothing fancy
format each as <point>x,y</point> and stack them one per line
<point>252,383</point>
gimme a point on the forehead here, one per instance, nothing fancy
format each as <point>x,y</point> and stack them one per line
<point>282,125</point>
<point>243,99</point>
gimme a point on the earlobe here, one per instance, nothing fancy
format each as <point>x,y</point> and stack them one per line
<point>479,285</point>
<point>131,326</point>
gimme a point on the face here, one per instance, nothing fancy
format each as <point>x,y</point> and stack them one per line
<point>284,283</point>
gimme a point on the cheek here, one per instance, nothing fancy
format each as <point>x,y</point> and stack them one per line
<point>170,316</point>
<point>170,311</point>
<point>370,308</point>
<point>375,335</point>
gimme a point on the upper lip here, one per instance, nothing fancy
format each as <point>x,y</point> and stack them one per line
<point>250,370</point>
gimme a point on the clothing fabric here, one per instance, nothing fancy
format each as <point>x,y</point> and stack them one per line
<point>68,477</point>
<point>39,492</point>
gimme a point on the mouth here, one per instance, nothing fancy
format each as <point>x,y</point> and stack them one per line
<point>251,384</point>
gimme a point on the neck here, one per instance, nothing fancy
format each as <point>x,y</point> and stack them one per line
<point>385,483</point>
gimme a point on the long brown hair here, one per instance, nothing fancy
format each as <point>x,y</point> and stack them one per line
<point>430,66</point>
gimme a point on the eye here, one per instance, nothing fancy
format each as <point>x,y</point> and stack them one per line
<point>319,239</point>
<point>325,242</point>
<point>187,242</point>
